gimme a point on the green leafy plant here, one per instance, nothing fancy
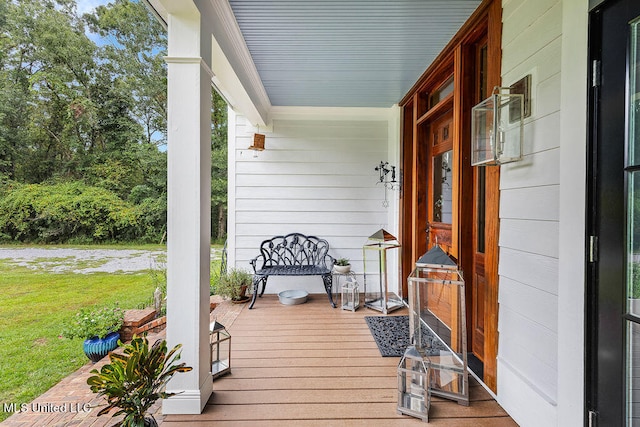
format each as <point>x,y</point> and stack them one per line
<point>634,292</point>
<point>233,283</point>
<point>134,380</point>
<point>343,262</point>
<point>94,322</point>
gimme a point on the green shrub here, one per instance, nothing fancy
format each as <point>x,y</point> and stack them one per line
<point>233,283</point>
<point>634,292</point>
<point>94,322</point>
<point>76,212</point>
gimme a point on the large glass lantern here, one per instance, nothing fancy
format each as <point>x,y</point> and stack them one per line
<point>413,384</point>
<point>376,292</point>
<point>437,323</point>
<point>220,346</point>
<point>497,129</point>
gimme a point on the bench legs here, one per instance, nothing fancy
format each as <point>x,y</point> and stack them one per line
<point>256,285</point>
<point>327,279</point>
<point>328,282</point>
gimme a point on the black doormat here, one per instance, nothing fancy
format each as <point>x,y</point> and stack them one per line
<point>391,334</point>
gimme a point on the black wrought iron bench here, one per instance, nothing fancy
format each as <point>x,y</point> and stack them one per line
<point>292,255</point>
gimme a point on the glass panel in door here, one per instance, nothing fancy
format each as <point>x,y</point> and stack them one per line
<point>632,353</point>
<point>443,187</point>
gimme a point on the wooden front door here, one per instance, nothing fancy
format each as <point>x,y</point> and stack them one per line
<point>479,281</point>
<point>444,199</point>
<point>481,187</point>
<point>440,170</point>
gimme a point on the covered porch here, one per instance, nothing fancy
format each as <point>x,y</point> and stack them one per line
<point>341,87</point>
<point>310,364</point>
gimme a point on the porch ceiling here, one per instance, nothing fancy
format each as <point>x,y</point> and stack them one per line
<point>345,53</point>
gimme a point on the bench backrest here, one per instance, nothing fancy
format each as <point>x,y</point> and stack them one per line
<point>294,249</point>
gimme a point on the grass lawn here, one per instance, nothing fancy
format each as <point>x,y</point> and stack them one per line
<point>33,306</point>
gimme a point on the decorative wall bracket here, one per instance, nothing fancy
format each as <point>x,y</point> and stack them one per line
<point>384,169</point>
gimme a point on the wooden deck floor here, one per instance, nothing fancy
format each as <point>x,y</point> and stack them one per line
<point>312,365</point>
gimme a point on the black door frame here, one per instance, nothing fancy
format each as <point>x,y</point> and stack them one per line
<point>605,396</point>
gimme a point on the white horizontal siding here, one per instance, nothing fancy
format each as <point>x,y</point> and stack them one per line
<point>531,303</point>
<point>541,134</point>
<point>298,193</point>
<point>536,271</point>
<point>315,176</point>
<point>309,205</point>
<point>533,170</point>
<point>539,203</point>
<point>538,237</point>
<point>524,401</point>
<point>529,27</point>
<point>529,219</point>
<point>523,348</point>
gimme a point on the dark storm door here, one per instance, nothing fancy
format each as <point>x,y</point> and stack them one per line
<point>613,315</point>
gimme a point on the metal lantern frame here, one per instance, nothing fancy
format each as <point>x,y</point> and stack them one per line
<point>350,294</point>
<point>497,128</point>
<point>380,242</point>
<point>219,338</point>
<point>414,396</point>
<point>436,280</point>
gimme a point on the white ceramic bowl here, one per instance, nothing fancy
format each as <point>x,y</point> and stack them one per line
<point>293,297</point>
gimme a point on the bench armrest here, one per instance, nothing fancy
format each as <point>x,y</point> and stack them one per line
<point>330,261</point>
<point>254,263</point>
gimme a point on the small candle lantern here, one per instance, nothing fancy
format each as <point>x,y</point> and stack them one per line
<point>220,344</point>
<point>378,298</point>
<point>437,323</point>
<point>350,294</point>
<point>413,384</point>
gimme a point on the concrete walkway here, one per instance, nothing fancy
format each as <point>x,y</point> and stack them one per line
<point>71,402</point>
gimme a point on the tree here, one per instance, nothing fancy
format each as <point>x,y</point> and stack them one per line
<point>72,111</point>
<point>218,167</point>
<point>135,54</point>
<point>46,70</point>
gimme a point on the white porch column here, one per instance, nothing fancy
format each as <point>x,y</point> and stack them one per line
<point>573,169</point>
<point>189,210</point>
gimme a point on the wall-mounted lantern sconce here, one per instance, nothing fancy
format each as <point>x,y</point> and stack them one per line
<point>497,125</point>
<point>383,169</point>
<point>258,143</point>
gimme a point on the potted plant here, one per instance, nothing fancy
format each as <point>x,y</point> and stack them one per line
<point>99,327</point>
<point>134,380</point>
<point>233,284</point>
<point>342,266</point>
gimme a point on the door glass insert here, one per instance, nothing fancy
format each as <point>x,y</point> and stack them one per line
<point>633,374</point>
<point>441,93</point>
<point>442,187</point>
<point>633,177</point>
<point>480,208</point>
<point>633,245</point>
<point>633,231</point>
<point>634,93</point>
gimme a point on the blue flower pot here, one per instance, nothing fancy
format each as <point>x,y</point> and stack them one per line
<point>96,348</point>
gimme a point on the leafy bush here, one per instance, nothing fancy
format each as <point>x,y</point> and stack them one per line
<point>94,322</point>
<point>74,211</point>
<point>233,283</point>
<point>634,292</point>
